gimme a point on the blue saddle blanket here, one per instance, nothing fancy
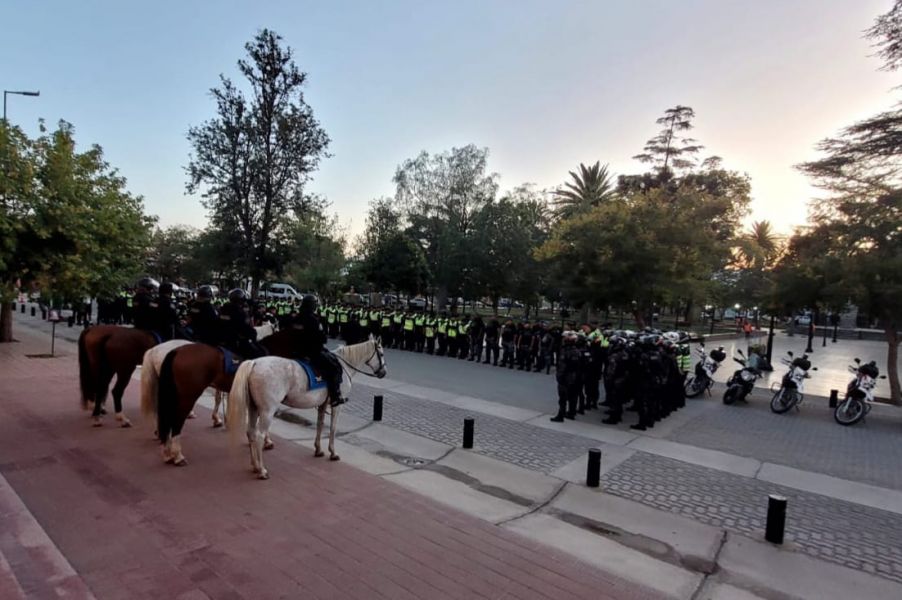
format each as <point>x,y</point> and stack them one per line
<point>229,364</point>
<point>316,381</point>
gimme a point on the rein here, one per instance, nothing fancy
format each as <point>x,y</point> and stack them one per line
<point>366,362</point>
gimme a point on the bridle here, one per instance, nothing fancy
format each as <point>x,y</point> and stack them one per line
<point>377,352</point>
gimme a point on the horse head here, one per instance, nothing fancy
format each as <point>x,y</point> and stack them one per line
<point>367,357</point>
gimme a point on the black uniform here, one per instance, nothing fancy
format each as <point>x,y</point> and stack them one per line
<point>567,374</point>
<point>508,339</point>
<point>167,318</point>
<point>143,313</point>
<point>313,349</point>
<point>492,330</point>
<point>204,323</point>
<point>237,332</point>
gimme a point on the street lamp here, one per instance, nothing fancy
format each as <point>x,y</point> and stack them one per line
<point>20,93</point>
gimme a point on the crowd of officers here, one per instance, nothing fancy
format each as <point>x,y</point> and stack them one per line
<point>642,372</point>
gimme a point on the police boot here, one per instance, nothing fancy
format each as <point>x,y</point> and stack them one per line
<point>611,419</point>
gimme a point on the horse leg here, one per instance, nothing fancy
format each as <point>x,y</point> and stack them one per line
<point>166,451</point>
<point>262,433</point>
<point>256,454</point>
<point>122,379</point>
<point>333,426</point>
<point>100,399</point>
<point>217,421</point>
<point>320,419</point>
<point>178,459</point>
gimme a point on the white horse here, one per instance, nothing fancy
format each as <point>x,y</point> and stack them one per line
<point>150,373</point>
<point>261,385</point>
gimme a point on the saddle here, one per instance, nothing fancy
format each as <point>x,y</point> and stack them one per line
<point>315,380</point>
<point>232,361</point>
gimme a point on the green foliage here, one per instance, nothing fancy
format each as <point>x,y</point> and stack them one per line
<point>667,150</point>
<point>69,226</point>
<point>590,187</point>
<point>253,159</point>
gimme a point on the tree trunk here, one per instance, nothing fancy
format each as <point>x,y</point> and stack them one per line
<point>892,362</point>
<point>640,319</point>
<point>6,322</point>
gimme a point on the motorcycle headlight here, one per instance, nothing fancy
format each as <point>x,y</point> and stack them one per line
<point>746,376</point>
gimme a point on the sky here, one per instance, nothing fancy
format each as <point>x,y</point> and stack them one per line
<point>544,84</point>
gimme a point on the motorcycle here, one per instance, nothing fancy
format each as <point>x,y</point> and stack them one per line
<point>704,371</point>
<point>743,381</point>
<point>859,393</point>
<point>789,394</point>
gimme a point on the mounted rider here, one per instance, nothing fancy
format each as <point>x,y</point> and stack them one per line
<point>203,320</point>
<point>237,332</point>
<point>144,314</point>
<point>313,348</point>
<point>167,316</point>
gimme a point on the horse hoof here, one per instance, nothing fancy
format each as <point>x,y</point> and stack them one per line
<point>125,424</point>
<point>97,423</point>
<point>191,415</point>
<point>263,475</point>
<point>268,445</point>
<point>335,457</point>
<point>319,453</point>
<point>217,424</point>
<point>182,462</point>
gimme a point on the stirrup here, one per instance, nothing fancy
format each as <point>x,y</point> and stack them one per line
<point>337,401</point>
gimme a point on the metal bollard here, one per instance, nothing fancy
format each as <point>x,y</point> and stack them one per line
<point>593,472</point>
<point>22,306</point>
<point>468,432</point>
<point>776,519</point>
<point>377,408</point>
<point>834,398</point>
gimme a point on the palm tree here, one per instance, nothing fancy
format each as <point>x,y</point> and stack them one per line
<point>760,247</point>
<point>590,187</point>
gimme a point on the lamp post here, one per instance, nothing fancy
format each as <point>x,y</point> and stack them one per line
<point>20,93</point>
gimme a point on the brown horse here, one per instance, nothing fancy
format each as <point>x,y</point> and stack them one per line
<point>189,370</point>
<point>105,351</point>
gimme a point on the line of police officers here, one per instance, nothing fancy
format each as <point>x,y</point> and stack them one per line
<point>641,372</point>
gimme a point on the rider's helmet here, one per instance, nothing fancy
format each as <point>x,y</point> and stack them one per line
<point>205,293</point>
<point>148,284</point>
<point>166,289</point>
<point>309,304</point>
<point>238,296</point>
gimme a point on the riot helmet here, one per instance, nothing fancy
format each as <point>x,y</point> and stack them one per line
<point>166,289</point>
<point>238,296</point>
<point>309,304</point>
<point>148,284</point>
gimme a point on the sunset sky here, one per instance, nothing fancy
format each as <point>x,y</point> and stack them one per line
<point>544,85</point>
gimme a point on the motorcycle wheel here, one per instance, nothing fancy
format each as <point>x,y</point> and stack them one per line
<point>694,387</point>
<point>849,412</point>
<point>729,396</point>
<point>783,401</point>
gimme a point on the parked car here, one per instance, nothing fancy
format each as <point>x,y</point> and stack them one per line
<point>417,303</point>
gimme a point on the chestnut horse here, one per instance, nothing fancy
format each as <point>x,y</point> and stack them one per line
<point>105,351</point>
<point>189,370</point>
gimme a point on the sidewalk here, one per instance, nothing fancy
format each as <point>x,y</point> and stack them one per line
<point>132,527</point>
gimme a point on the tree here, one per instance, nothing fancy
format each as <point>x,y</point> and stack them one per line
<point>172,255</point>
<point>392,261</point>
<point>440,196</point>
<point>590,187</point>
<point>668,151</point>
<point>314,250</point>
<point>253,159</point>
<point>887,35</point>
<point>70,229</point>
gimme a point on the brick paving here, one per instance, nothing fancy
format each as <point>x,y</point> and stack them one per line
<point>859,537</point>
<point>132,527</point>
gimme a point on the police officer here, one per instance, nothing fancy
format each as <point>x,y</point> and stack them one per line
<point>567,375</point>
<point>143,313</point>
<point>203,320</point>
<point>238,334</point>
<point>167,316</point>
<point>616,380</point>
<point>508,344</point>
<point>492,333</point>
<point>313,349</point>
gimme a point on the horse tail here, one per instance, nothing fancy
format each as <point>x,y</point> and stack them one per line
<point>167,398</point>
<point>149,385</point>
<point>85,373</point>
<point>239,399</point>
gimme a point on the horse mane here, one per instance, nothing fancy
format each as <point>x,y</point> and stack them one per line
<point>356,354</point>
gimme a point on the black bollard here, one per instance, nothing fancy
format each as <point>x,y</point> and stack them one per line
<point>32,311</point>
<point>22,308</point>
<point>593,472</point>
<point>377,408</point>
<point>71,321</point>
<point>776,519</point>
<point>834,398</point>
<point>468,432</point>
